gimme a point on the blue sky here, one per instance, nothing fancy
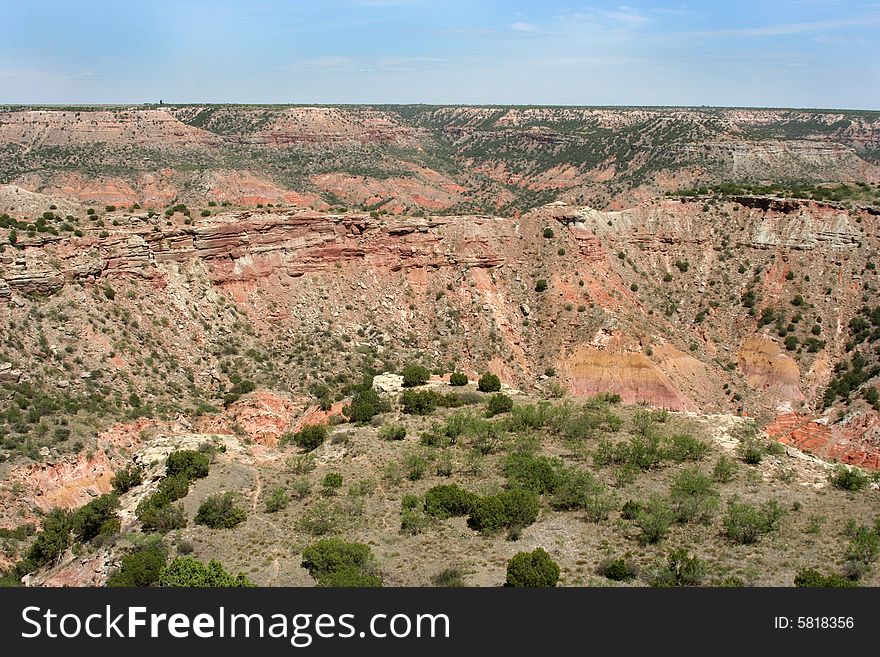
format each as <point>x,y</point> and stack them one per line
<point>794,53</point>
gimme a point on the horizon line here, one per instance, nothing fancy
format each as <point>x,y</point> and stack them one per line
<point>62,105</point>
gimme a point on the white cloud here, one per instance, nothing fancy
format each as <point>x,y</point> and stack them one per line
<point>524,27</point>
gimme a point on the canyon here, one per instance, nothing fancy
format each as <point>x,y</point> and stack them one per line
<point>154,258</point>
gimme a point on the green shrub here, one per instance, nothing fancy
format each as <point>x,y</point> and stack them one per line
<point>449,578</point>
<point>337,563</point>
<point>532,569</point>
<point>415,465</point>
<point>579,489</point>
<point>458,379</point>
<point>863,549</point>
<point>540,474</point>
<point>631,509</point>
<point>681,569</point>
<point>190,463</point>
<point>640,451</point>
<point>447,501</point>
<point>277,500</point>
<point>126,479</point>
<point>724,470</point>
<point>489,383</point>
<point>413,521</point>
<point>188,572</point>
<point>220,512</point>
<point>392,432</point>
<point>171,489</point>
<point>412,502</point>
<point>654,518</point>
<point>751,450</point>
<point>642,422</point>
<point>415,375</point>
<point>98,517</point>
<point>499,403</point>
<point>684,447</point>
<point>140,568</point>
<point>548,232</point>
<point>301,464</point>
<point>161,518</point>
<point>432,439</point>
<point>238,389</point>
<point>509,509</point>
<point>444,465</point>
<point>362,487</point>
<point>310,437</point>
<point>424,402</point>
<point>619,570</point>
<point>331,482</point>
<point>364,406</point>
<point>693,497</point>
<point>300,488</point>
<point>775,448</point>
<point>19,533</point>
<point>745,523</point>
<point>420,402</point>
<point>810,577</point>
<point>488,514</point>
<point>323,518</point>
<point>51,541</point>
<point>541,285</point>
<point>851,479</point>
<point>464,423</point>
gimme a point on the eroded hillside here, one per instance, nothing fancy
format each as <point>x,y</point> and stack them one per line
<point>421,158</point>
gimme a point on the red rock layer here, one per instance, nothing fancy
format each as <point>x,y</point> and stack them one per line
<point>831,443</point>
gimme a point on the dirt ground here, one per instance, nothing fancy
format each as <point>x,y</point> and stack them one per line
<point>268,546</point>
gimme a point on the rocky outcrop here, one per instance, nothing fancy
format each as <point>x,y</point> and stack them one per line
<point>8,374</point>
<point>767,368</point>
<point>264,416</point>
<point>40,283</point>
<point>851,445</point>
<point>806,228</point>
<point>66,484</point>
<point>246,245</point>
<point>628,374</point>
<point>88,571</point>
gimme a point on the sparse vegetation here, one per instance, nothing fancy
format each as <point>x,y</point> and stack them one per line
<point>126,479</point>
<point>848,478</point>
<point>532,569</point>
<point>309,438</point>
<point>116,363</point>
<point>489,383</point>
<point>745,523</point>
<point>415,375</point>
<point>337,563</point>
<point>220,512</point>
